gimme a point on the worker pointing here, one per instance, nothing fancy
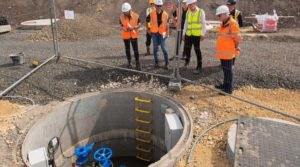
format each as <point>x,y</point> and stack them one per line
<point>159,29</point>
<point>228,42</point>
<point>194,32</point>
<point>130,23</point>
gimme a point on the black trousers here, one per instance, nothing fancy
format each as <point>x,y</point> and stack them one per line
<point>189,42</point>
<point>183,53</point>
<point>135,46</point>
<point>148,39</point>
<point>228,74</point>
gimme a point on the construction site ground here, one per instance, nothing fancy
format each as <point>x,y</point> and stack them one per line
<point>267,72</point>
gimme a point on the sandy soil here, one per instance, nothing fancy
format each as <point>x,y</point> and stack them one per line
<point>8,111</point>
<point>207,108</point>
<point>210,108</point>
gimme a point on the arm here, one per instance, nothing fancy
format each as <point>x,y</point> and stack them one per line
<point>138,24</point>
<point>185,26</point>
<point>203,24</point>
<point>240,20</point>
<point>236,36</point>
<point>123,27</point>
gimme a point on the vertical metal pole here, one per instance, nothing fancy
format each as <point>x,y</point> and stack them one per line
<point>175,82</point>
<point>178,40</point>
<point>54,28</point>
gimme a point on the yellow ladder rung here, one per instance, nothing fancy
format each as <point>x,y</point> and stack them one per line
<point>142,131</point>
<point>143,159</point>
<point>142,111</point>
<point>142,100</point>
<point>143,140</point>
<point>142,121</point>
<point>139,148</point>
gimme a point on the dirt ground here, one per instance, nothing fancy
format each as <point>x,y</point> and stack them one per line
<point>211,151</point>
<point>206,108</point>
<point>267,71</point>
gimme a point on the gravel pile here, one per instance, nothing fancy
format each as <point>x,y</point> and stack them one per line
<point>83,27</point>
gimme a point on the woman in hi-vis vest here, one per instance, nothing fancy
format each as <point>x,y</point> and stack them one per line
<point>228,41</point>
<point>159,29</point>
<point>130,23</point>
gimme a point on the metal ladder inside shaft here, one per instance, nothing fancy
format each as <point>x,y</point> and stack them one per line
<point>143,130</point>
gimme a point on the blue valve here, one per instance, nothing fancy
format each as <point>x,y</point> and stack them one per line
<point>102,156</point>
<point>82,153</point>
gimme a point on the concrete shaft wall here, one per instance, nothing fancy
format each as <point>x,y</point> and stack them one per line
<point>109,120</point>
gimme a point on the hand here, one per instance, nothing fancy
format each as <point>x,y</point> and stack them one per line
<point>238,49</point>
<point>202,38</point>
<point>131,28</point>
<point>124,29</point>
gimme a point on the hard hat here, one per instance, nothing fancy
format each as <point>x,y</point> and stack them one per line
<point>188,2</point>
<point>126,7</point>
<point>158,2</point>
<point>151,1</point>
<point>222,10</point>
<point>184,1</point>
<point>231,2</point>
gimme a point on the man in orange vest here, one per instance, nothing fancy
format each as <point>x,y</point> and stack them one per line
<point>130,23</point>
<point>228,42</point>
<point>148,35</point>
<point>159,29</point>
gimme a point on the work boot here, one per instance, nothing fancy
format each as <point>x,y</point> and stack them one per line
<point>221,87</point>
<point>129,66</point>
<point>148,51</point>
<point>156,66</point>
<point>166,67</point>
<point>226,91</point>
<point>197,70</point>
<point>138,67</point>
<point>186,65</point>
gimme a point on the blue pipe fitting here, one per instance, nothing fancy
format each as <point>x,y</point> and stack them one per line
<point>82,153</point>
<point>102,156</point>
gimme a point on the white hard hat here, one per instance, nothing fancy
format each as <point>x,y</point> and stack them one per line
<point>222,10</point>
<point>158,2</point>
<point>188,2</point>
<point>184,1</point>
<point>126,7</point>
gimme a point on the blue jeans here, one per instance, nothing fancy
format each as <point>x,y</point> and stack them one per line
<point>159,40</point>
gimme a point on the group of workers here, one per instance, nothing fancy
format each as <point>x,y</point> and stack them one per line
<point>193,29</point>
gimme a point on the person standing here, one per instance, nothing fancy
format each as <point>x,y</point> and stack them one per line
<point>194,32</point>
<point>159,29</point>
<point>148,25</point>
<point>228,48</point>
<point>183,12</point>
<point>130,23</point>
<point>236,14</point>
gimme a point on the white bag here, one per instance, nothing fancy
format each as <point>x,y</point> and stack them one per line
<point>267,23</point>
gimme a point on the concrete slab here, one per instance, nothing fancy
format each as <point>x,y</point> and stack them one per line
<point>268,143</point>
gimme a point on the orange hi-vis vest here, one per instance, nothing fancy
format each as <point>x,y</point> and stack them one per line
<point>127,23</point>
<point>154,23</point>
<point>228,35</point>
